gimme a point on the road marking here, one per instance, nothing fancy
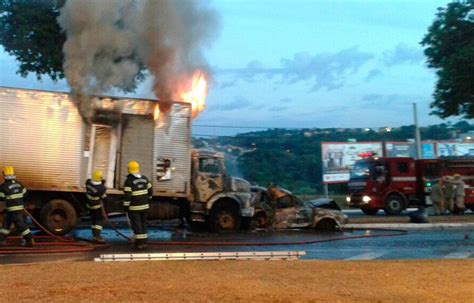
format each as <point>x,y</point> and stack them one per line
<point>458,255</point>
<point>368,255</point>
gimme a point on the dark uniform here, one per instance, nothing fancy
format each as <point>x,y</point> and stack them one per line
<point>95,194</point>
<point>138,192</point>
<point>13,193</point>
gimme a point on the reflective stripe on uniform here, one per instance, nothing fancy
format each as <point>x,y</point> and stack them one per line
<point>25,232</point>
<point>139,207</point>
<point>4,231</point>
<point>94,206</point>
<point>141,236</point>
<point>127,188</point>
<point>15,208</point>
<point>2,195</point>
<point>98,227</point>
<point>104,196</point>
<point>149,186</point>
<point>140,192</point>
<point>92,197</point>
<point>126,203</point>
<point>15,196</point>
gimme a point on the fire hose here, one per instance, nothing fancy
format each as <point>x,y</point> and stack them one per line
<point>73,245</point>
<point>391,233</point>
<point>86,247</point>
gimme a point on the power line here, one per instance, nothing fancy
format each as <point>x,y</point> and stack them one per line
<point>247,127</point>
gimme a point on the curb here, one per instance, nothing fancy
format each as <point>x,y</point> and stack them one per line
<point>411,226</point>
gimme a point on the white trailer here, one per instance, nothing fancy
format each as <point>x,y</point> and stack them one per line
<point>54,150</point>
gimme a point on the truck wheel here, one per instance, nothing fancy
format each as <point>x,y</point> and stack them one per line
<point>58,216</point>
<point>394,205</point>
<point>225,218</point>
<point>370,211</point>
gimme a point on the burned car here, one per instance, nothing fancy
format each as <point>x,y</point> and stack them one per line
<point>278,208</point>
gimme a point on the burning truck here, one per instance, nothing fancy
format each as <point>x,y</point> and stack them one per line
<point>54,150</point>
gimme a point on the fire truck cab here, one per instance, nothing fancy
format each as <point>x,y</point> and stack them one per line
<point>393,184</point>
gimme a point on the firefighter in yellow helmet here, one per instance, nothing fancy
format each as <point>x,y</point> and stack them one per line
<point>138,193</point>
<point>13,192</point>
<point>96,195</point>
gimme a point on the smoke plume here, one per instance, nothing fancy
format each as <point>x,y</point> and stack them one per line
<point>110,42</point>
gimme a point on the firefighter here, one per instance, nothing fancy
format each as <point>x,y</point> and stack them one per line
<point>13,192</point>
<point>96,195</point>
<point>449,190</point>
<point>138,193</point>
<point>437,196</point>
<point>459,206</point>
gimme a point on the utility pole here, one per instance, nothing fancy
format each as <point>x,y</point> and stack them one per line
<point>417,133</point>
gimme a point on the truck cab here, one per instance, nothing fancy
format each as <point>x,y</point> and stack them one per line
<point>221,200</point>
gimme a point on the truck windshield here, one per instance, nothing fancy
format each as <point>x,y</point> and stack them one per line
<point>360,171</point>
<point>211,166</point>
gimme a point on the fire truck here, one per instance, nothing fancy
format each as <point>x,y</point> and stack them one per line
<point>393,184</point>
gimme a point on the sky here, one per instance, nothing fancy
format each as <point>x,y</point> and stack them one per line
<point>308,63</point>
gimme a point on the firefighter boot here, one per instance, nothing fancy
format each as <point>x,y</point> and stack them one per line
<point>29,242</point>
<point>96,238</point>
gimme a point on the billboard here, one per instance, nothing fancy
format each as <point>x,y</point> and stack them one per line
<point>408,149</point>
<point>445,149</point>
<point>338,158</point>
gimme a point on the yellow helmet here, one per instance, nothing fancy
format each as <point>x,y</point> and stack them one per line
<point>133,167</point>
<point>97,176</point>
<point>8,171</point>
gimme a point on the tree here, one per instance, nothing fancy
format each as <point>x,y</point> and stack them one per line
<point>449,48</point>
<point>30,33</point>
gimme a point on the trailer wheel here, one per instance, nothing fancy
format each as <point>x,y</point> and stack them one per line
<point>58,216</point>
<point>370,211</point>
<point>224,217</point>
<point>394,204</point>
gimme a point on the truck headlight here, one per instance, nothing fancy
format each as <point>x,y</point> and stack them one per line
<point>348,199</point>
<point>366,199</point>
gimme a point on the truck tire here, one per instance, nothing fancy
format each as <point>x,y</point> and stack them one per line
<point>224,217</point>
<point>370,211</point>
<point>394,204</point>
<point>58,216</point>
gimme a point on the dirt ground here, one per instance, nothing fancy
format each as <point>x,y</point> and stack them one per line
<point>241,281</point>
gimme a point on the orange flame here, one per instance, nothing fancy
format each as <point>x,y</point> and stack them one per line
<point>156,113</point>
<point>196,93</point>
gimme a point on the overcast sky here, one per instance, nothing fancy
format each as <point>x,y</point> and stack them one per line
<point>308,63</point>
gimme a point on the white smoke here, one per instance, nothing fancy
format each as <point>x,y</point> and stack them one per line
<point>108,41</point>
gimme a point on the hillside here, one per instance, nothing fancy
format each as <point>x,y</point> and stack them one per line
<point>291,158</point>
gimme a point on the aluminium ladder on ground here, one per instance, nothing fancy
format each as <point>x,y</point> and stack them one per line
<point>182,256</point>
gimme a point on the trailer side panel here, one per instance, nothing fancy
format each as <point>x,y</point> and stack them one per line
<point>172,142</point>
<point>41,134</point>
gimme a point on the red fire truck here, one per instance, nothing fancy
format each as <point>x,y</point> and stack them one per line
<point>393,184</point>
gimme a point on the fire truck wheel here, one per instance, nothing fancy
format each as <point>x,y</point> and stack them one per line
<point>225,217</point>
<point>58,216</point>
<point>394,205</point>
<point>370,211</point>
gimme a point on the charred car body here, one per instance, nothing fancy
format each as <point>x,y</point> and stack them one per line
<point>54,150</point>
<point>278,208</point>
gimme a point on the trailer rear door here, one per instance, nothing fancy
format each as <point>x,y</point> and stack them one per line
<point>136,145</point>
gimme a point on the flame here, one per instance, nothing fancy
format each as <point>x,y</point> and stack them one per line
<point>196,93</point>
<point>156,113</point>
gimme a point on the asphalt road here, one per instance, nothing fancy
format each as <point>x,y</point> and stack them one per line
<point>423,244</point>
